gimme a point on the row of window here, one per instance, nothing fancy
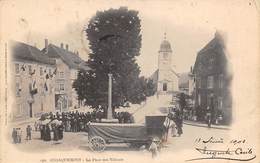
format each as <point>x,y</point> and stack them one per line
<point>59,87</point>
<point>19,109</point>
<point>219,103</point>
<point>210,82</point>
<point>18,68</point>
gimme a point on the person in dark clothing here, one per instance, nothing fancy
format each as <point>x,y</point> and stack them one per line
<point>19,135</point>
<point>60,132</point>
<point>120,117</point>
<point>88,117</point>
<point>28,132</point>
<point>47,133</point>
<point>55,133</point>
<point>14,136</point>
<point>178,122</point>
<point>99,116</point>
<point>72,124</point>
<point>125,117</point>
<point>43,130</point>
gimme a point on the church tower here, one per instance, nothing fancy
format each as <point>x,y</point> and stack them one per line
<point>167,77</point>
<point>165,55</point>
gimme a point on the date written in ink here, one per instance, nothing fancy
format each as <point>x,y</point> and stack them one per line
<point>237,141</point>
<point>209,140</point>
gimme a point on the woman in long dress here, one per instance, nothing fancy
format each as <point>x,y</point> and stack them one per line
<point>47,133</point>
<point>55,133</point>
<point>43,131</point>
<point>60,132</point>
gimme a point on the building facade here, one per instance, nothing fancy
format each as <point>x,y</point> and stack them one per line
<point>212,81</point>
<point>33,85</point>
<point>165,77</point>
<point>187,83</point>
<point>67,66</point>
<point>43,79</point>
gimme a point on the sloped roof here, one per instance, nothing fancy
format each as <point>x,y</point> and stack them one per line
<point>30,53</point>
<point>154,76</point>
<point>71,59</point>
<point>216,43</point>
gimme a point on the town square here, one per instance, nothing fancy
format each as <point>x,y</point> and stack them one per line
<point>112,82</point>
<point>60,96</point>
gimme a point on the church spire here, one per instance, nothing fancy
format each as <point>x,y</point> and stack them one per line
<point>165,45</point>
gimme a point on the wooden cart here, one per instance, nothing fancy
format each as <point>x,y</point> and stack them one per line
<point>136,135</point>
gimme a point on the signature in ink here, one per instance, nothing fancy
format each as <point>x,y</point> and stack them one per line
<point>237,154</point>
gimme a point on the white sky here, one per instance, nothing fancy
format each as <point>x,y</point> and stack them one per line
<point>189,25</point>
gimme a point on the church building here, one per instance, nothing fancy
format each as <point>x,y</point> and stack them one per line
<point>165,77</point>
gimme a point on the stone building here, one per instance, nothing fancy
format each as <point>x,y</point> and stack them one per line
<point>43,79</point>
<point>67,66</point>
<point>33,85</point>
<point>165,77</point>
<point>187,83</point>
<point>212,81</point>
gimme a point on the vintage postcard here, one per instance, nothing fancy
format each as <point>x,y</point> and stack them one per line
<point>123,81</point>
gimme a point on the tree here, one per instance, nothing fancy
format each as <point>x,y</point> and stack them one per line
<point>115,40</point>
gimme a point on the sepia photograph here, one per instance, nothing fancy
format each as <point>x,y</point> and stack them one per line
<point>129,81</point>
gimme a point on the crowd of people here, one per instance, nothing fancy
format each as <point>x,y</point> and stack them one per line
<point>17,134</point>
<point>46,129</point>
<point>77,121</point>
<point>52,125</point>
<point>72,122</point>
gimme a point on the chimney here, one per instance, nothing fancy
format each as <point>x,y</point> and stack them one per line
<point>67,47</point>
<point>46,45</point>
<point>61,45</point>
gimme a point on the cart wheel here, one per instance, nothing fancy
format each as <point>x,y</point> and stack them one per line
<point>97,144</point>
